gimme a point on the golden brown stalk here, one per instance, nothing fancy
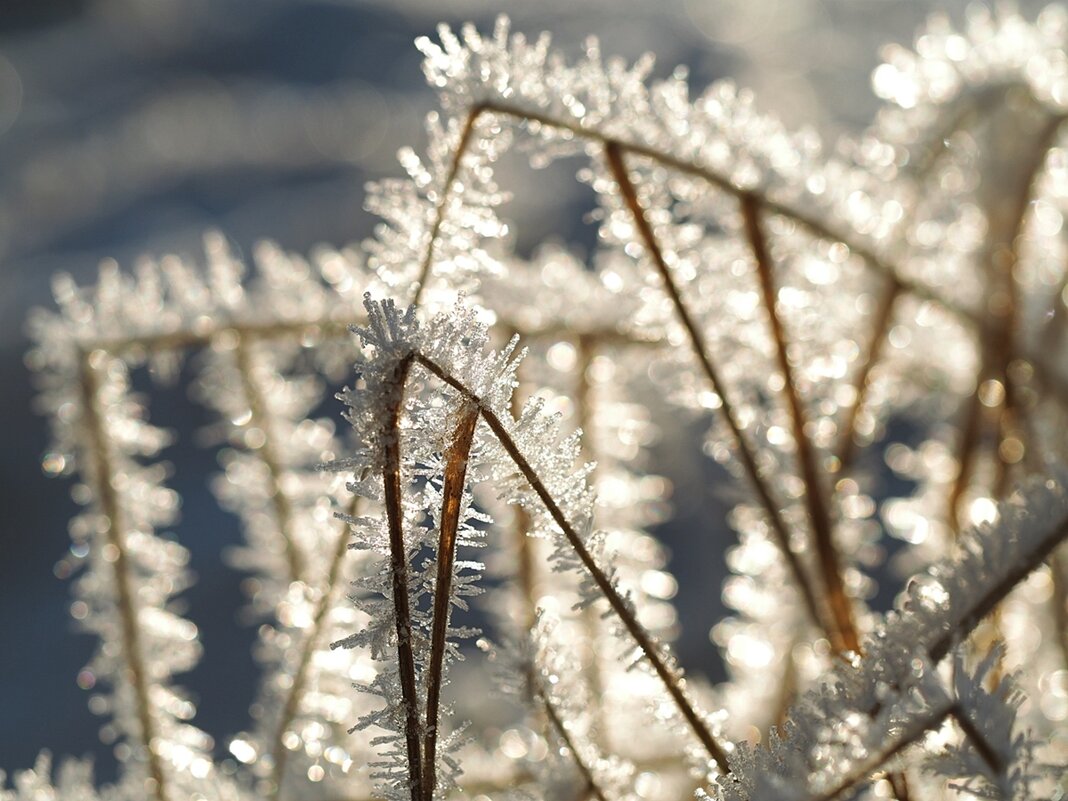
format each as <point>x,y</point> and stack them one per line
<point>782,535</point>
<point>398,565</point>
<point>126,600</point>
<point>649,647</point>
<point>452,491</point>
<point>844,635</point>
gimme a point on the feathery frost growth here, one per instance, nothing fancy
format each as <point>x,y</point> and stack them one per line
<point>874,342</point>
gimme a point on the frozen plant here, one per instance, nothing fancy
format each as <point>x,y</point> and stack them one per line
<point>896,307</point>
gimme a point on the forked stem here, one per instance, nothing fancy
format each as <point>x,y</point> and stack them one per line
<point>614,158</point>
<point>446,193</point>
<point>844,636</point>
<point>642,638</point>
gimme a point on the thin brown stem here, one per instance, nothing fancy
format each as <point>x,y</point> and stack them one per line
<point>967,448</point>
<point>260,418</point>
<point>844,636</point>
<point>126,594</point>
<point>618,169</point>
<point>561,730</point>
<point>327,598</point>
<point>649,647</point>
<point>525,578</point>
<point>984,604</point>
<point>398,563</point>
<point>446,193</point>
<point>978,741</point>
<point>884,315</point>
<point>873,762</point>
<point>721,181</point>
<point>452,493</point>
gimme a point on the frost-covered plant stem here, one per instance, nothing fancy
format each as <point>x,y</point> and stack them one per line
<point>314,641</point>
<point>641,637</point>
<point>393,498</point>
<point>452,491</point>
<point>98,449</point>
<point>280,500</point>
<point>844,632</point>
<point>618,168</point>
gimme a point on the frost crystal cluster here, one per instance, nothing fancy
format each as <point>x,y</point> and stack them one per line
<point>874,340</point>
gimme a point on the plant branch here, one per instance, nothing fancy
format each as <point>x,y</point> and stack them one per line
<point>982,605</point>
<point>782,535</point>
<point>722,182</point>
<point>876,760</point>
<point>978,741</point>
<point>111,507</point>
<point>561,730</point>
<point>452,492</point>
<point>884,315</point>
<point>642,638</point>
<point>844,636</point>
<point>260,418</point>
<point>398,564</point>
<point>446,193</point>
<point>279,752</point>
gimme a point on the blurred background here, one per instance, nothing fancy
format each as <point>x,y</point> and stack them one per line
<point>128,127</point>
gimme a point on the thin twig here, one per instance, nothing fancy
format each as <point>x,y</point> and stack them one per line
<point>260,418</point>
<point>874,761</point>
<point>884,315</point>
<point>650,648</point>
<point>985,604</point>
<point>562,732</point>
<point>111,507</point>
<point>978,741</point>
<point>446,194</point>
<point>309,647</point>
<point>844,636</point>
<point>782,535</point>
<point>452,493</point>
<point>398,563</point>
<point>970,437</point>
